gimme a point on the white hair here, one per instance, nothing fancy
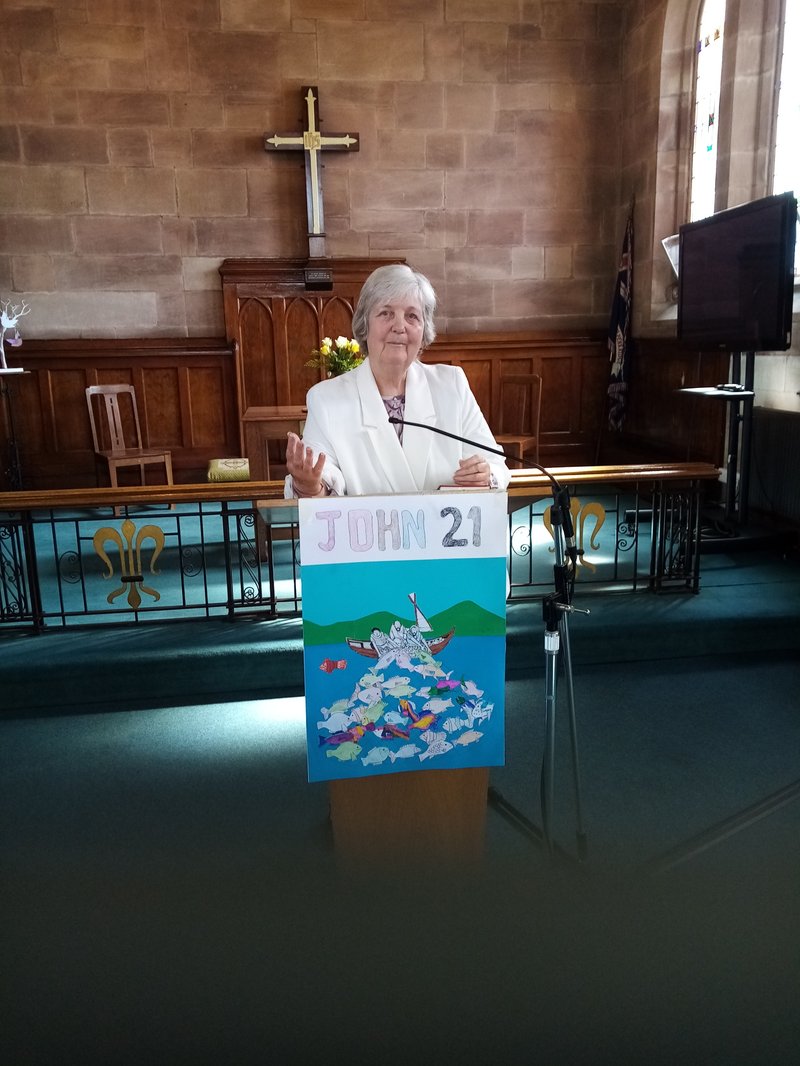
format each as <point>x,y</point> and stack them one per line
<point>389,283</point>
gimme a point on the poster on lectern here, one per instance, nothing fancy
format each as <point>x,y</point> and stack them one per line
<point>404,623</point>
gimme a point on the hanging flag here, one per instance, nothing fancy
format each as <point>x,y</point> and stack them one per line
<point>619,343</point>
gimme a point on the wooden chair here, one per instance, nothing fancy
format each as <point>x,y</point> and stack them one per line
<point>520,413</point>
<point>121,411</point>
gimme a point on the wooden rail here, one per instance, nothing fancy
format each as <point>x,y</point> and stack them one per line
<point>531,483</point>
<point>524,484</point>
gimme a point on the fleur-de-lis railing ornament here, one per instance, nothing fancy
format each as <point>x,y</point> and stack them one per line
<point>580,514</point>
<point>130,558</point>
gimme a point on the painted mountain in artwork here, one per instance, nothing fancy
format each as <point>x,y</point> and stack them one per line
<point>468,619</point>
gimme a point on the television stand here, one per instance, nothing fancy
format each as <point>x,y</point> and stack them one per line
<point>739,395</point>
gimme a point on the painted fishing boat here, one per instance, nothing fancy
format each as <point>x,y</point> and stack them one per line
<point>402,638</point>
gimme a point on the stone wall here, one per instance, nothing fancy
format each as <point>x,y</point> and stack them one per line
<point>132,161</point>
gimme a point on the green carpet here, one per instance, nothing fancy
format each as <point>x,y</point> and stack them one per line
<point>170,891</point>
<point>749,603</point>
<point>171,894</point>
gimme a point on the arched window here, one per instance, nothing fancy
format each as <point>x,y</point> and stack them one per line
<point>709,45</point>
<point>786,157</point>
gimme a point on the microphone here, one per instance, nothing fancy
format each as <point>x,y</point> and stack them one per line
<point>561,503</point>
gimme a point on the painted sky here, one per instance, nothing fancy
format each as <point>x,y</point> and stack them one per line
<point>347,590</point>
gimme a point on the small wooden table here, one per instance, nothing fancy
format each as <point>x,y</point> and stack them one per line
<point>261,425</point>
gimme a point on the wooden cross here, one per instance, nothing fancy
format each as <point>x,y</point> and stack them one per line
<point>311,142</point>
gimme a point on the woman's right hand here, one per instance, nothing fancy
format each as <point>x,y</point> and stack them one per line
<point>306,473</point>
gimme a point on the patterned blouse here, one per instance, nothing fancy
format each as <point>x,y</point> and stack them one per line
<point>395,405</point>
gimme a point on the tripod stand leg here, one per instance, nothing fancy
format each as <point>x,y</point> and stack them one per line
<point>548,753</point>
<point>580,832</point>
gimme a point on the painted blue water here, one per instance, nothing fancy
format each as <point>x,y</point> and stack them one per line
<point>474,667</point>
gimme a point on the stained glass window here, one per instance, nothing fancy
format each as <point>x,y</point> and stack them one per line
<point>786,163</point>
<point>709,45</point>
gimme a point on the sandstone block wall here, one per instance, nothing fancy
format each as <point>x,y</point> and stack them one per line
<point>132,161</point>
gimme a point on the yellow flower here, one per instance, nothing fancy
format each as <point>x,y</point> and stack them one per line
<point>336,357</point>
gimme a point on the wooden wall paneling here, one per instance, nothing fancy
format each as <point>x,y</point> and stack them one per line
<point>185,390</point>
<point>158,399</point>
<point>190,431</point>
<point>190,393</point>
<point>203,415</point>
<point>257,338</point>
<point>515,363</point>
<point>33,411</point>
<point>593,394</point>
<point>663,422</point>
<point>569,422</point>
<point>336,316</point>
<point>67,416</point>
<point>302,334</point>
<point>561,412</point>
<point>54,437</point>
<point>479,374</point>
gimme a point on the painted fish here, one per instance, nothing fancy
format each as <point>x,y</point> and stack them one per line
<point>439,747</point>
<point>346,752</point>
<point>340,706</point>
<point>431,669</point>
<point>479,713</point>
<point>445,684</point>
<point>452,725</point>
<point>395,718</point>
<point>390,731</point>
<point>370,694</point>
<point>437,705</point>
<point>342,737</point>
<point>407,707</point>
<point>471,689</point>
<point>400,691</point>
<point>337,723</point>
<point>468,738</point>
<point>393,682</point>
<point>408,751</point>
<point>329,665</point>
<point>376,757</point>
<point>431,737</point>
<point>372,713</point>
<point>425,721</point>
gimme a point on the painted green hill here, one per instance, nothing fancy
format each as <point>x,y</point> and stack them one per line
<point>468,619</point>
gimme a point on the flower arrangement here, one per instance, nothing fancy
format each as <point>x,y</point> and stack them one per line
<point>10,314</point>
<point>336,357</point>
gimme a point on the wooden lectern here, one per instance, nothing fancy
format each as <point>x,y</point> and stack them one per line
<point>422,816</point>
<point>404,633</point>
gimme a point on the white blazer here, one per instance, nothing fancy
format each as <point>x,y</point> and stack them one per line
<point>348,422</point>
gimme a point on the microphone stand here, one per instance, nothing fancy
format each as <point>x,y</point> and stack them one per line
<point>556,607</point>
<point>555,611</point>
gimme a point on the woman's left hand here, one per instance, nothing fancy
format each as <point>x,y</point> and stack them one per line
<point>474,471</point>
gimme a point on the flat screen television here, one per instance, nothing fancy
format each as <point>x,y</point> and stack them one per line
<point>735,277</point>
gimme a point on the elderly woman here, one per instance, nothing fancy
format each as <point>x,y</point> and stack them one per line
<point>349,447</point>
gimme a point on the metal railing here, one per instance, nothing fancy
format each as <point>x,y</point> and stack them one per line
<point>226,550</point>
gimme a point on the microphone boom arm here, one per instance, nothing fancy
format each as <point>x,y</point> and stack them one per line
<point>561,509</point>
<point>476,444</point>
